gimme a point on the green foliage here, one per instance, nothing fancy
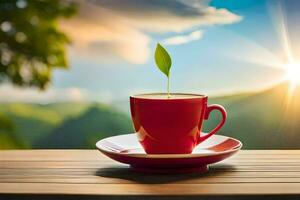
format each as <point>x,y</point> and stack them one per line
<point>31,44</point>
<point>163,62</point>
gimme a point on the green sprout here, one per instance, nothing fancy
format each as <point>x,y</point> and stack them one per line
<point>163,62</point>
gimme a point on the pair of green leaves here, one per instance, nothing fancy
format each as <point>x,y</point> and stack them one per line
<point>163,62</point>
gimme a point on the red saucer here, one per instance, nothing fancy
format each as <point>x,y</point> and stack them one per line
<point>126,149</point>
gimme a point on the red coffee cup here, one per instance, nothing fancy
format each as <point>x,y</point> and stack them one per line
<point>172,125</point>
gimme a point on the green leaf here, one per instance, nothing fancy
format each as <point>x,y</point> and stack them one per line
<point>162,59</point>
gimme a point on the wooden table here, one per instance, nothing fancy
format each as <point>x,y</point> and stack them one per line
<point>72,174</point>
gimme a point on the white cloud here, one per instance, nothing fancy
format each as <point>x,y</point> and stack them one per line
<point>118,29</point>
<point>183,39</point>
<point>10,93</point>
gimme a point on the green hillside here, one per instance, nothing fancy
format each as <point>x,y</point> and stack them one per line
<point>32,122</point>
<point>85,130</point>
<point>9,139</point>
<point>263,120</point>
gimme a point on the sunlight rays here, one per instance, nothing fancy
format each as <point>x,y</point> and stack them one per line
<point>291,66</point>
<point>252,52</point>
<point>290,99</point>
<point>280,23</point>
<point>283,58</point>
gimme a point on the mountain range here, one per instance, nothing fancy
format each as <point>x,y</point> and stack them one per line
<point>267,119</point>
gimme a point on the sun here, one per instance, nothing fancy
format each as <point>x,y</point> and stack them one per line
<point>293,72</point>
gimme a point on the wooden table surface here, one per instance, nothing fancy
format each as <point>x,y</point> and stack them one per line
<point>88,172</point>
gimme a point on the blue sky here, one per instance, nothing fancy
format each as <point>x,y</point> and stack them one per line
<point>218,47</point>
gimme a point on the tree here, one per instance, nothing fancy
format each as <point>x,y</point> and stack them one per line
<point>31,44</point>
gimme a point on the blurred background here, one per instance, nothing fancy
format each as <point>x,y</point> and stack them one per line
<point>68,67</point>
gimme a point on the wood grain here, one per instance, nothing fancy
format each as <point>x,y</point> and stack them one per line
<point>87,172</point>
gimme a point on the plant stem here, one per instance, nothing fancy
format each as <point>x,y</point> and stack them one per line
<point>168,87</point>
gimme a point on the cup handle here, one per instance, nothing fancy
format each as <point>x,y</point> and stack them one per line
<point>206,116</point>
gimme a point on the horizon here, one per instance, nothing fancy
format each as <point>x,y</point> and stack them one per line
<point>224,95</point>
